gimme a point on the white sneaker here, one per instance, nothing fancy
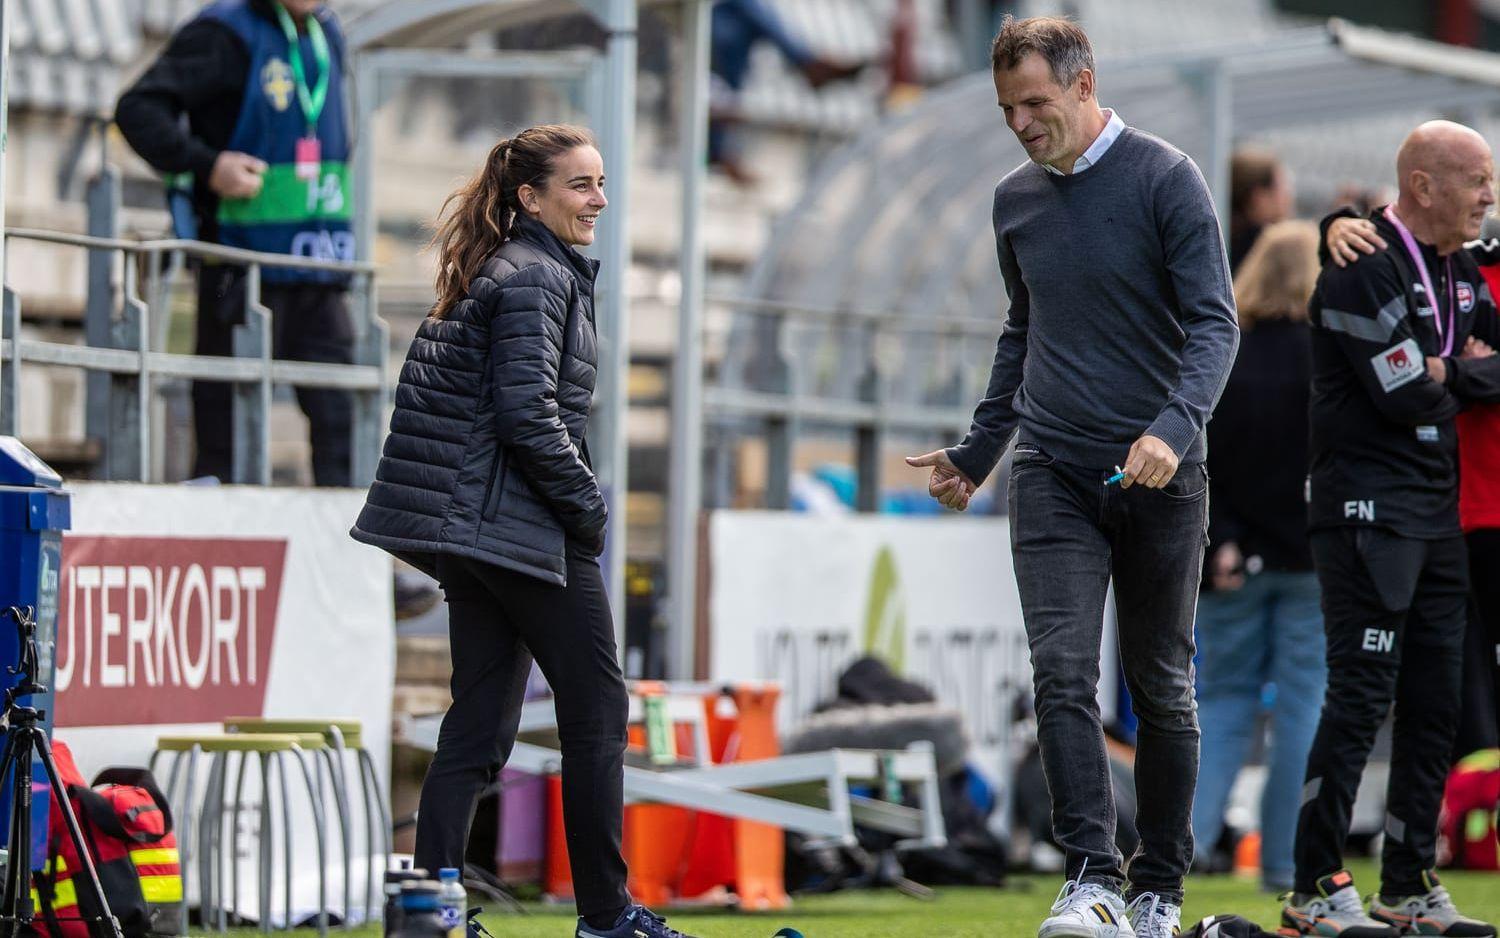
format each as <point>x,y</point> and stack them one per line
<point>1153,917</point>
<point>1087,910</point>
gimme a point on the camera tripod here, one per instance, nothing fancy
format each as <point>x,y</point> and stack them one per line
<point>24,738</point>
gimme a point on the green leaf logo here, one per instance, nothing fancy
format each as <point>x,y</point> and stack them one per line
<point>885,612</point>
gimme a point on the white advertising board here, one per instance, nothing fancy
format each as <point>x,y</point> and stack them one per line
<point>796,598</point>
<point>180,606</point>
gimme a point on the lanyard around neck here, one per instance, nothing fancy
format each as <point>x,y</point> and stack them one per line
<point>1444,335</point>
<point>312,101</point>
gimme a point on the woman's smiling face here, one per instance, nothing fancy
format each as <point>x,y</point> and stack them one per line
<point>571,198</point>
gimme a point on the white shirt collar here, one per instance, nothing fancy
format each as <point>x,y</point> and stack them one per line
<point>1111,132</point>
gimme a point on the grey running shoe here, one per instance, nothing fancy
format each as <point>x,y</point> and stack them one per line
<point>1334,912</point>
<point>1432,913</point>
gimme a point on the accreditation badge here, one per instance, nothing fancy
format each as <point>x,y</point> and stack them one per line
<point>309,159</point>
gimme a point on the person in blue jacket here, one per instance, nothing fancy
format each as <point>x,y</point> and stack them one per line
<point>245,110</point>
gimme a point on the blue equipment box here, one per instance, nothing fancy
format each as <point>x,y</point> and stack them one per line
<point>34,513</point>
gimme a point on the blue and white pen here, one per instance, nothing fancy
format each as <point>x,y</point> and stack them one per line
<point>1118,476</point>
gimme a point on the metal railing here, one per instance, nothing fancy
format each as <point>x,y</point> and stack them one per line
<point>133,364</point>
<point>777,402</point>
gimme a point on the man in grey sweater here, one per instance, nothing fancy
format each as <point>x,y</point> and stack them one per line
<point>1119,339</point>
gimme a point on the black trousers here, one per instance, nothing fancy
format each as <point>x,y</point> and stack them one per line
<point>1394,612</point>
<point>309,323</point>
<point>1479,720</point>
<point>498,621</point>
<point>1071,536</point>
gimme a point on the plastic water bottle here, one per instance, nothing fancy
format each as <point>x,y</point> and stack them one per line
<point>452,901</point>
<point>421,915</point>
<point>393,883</point>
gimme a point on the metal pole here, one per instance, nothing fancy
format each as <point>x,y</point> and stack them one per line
<point>685,489</point>
<point>102,400</point>
<point>4,116</point>
<point>372,342</point>
<point>976,31</point>
<point>251,414</point>
<point>1218,100</point>
<point>869,438</point>
<point>617,141</point>
<point>4,130</point>
<point>10,371</point>
<point>366,102</point>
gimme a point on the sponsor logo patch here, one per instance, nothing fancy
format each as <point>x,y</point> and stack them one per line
<point>1400,364</point>
<point>1427,434</point>
<point>1465,293</point>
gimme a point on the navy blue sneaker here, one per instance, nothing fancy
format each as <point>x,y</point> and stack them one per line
<point>473,928</point>
<point>637,921</point>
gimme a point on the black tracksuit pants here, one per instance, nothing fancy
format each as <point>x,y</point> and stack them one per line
<point>498,621</point>
<point>310,323</point>
<point>1394,610</point>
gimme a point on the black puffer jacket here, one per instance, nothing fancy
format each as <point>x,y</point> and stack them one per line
<point>486,455</point>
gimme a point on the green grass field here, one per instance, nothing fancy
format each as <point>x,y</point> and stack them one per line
<point>1013,912</point>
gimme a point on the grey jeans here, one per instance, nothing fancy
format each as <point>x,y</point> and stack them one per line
<point>1070,536</point>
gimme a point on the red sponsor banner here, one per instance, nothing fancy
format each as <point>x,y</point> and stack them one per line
<point>165,629</point>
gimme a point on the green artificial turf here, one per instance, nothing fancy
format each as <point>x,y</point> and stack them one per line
<point>1013,912</point>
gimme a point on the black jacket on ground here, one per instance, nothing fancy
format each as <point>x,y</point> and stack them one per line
<point>1257,449</point>
<point>1383,447</point>
<point>486,455</point>
<point>202,75</point>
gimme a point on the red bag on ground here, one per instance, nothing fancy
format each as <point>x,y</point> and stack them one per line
<point>1466,825</point>
<point>127,827</point>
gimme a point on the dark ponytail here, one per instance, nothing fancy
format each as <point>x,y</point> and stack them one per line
<point>476,219</point>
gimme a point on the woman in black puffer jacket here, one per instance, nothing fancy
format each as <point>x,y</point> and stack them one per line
<point>485,484</point>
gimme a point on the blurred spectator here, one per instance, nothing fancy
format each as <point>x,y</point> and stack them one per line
<point>1260,194</point>
<point>1258,620</point>
<point>1360,199</point>
<point>737,26</point>
<point>246,108</point>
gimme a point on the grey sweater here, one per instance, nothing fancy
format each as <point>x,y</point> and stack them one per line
<point>1122,317</point>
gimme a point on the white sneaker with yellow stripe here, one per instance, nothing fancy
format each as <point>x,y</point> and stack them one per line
<point>1087,910</point>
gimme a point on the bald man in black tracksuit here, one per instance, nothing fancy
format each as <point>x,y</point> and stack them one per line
<point>1392,366</point>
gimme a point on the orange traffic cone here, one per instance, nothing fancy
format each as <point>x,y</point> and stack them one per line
<point>557,879</point>
<point>1247,856</point>
<point>759,849</point>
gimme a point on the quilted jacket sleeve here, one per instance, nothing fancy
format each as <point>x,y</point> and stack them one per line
<point>528,318</point>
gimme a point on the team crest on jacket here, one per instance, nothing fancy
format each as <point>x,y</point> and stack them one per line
<point>1465,293</point>
<point>276,82</point>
